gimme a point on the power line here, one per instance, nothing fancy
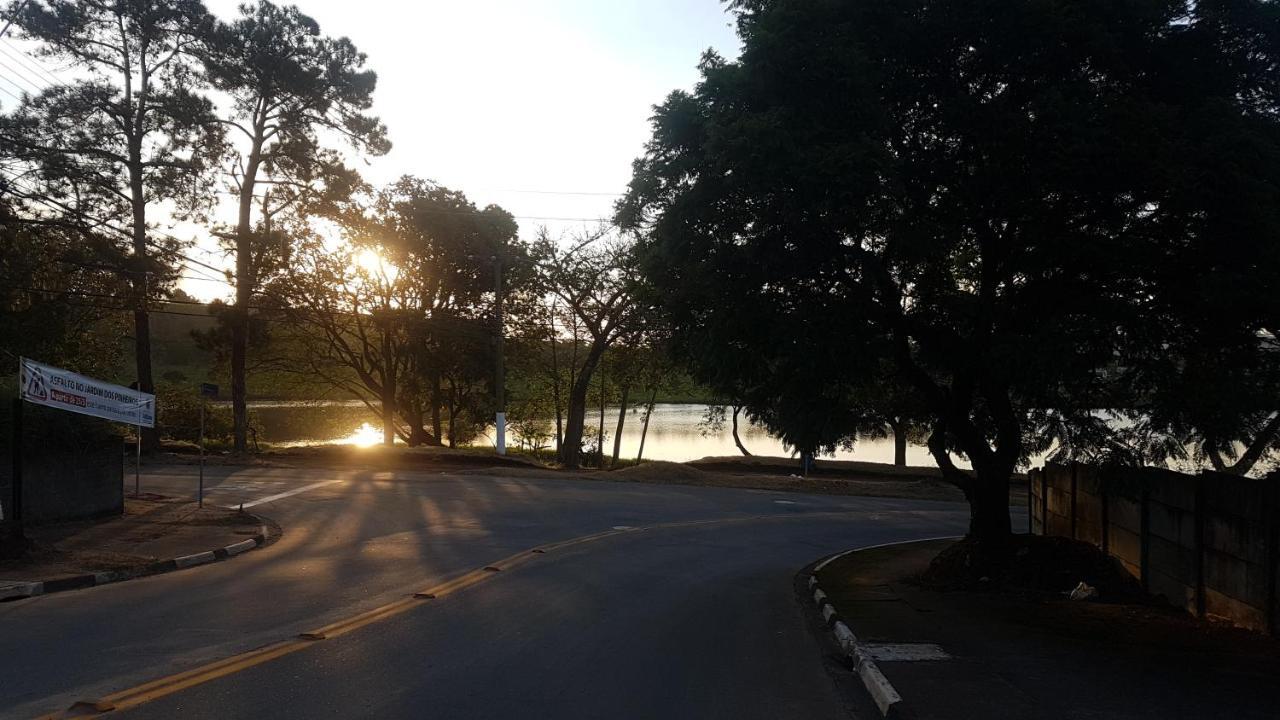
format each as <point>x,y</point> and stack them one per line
<point>6,92</point>
<point>33,64</point>
<point>34,196</point>
<point>35,86</point>
<point>440,324</point>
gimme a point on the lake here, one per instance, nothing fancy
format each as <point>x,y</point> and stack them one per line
<point>675,433</point>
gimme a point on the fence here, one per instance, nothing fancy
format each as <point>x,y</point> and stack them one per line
<point>1206,543</point>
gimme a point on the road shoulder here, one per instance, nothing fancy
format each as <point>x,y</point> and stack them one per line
<point>154,535</point>
<point>963,654</point>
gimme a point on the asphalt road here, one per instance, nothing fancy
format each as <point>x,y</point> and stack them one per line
<point>675,621</point>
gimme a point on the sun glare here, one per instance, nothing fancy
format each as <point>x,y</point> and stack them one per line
<point>371,261</point>
<point>364,436</point>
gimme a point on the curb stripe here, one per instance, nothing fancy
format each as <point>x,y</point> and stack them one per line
<point>881,690</point>
<point>18,591</point>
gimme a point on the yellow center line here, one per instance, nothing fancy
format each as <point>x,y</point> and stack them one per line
<point>168,685</point>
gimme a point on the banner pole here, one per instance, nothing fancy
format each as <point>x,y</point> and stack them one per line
<point>200,493</point>
<point>17,468</point>
<point>137,463</point>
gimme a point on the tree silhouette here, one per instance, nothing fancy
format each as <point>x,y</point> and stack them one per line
<point>1011,205</point>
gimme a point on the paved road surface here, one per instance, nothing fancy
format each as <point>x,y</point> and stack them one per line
<point>686,621</point>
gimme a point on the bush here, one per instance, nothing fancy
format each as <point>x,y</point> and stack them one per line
<point>178,414</point>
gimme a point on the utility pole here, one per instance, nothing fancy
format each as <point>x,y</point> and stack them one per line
<point>500,371</point>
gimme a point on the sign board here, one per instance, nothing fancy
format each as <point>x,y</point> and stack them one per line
<point>208,390</point>
<point>57,388</point>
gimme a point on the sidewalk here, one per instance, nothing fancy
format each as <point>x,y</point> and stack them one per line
<point>1013,657</point>
<point>153,529</point>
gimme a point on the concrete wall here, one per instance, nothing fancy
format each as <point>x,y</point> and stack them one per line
<point>1207,543</point>
<point>72,468</point>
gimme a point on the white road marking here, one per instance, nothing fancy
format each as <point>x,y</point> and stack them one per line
<point>786,502</point>
<point>904,652</point>
<point>295,491</point>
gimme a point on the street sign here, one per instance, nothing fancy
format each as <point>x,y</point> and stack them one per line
<point>57,388</point>
<point>208,390</point>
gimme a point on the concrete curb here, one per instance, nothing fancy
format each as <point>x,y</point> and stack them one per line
<point>20,590</point>
<point>879,687</point>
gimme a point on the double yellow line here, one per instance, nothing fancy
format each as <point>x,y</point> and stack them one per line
<point>171,684</point>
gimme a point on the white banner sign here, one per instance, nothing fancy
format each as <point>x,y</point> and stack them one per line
<point>57,388</point>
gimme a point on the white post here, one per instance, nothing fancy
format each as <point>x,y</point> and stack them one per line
<point>500,425</point>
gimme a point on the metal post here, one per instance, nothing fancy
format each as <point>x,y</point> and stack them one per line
<point>200,492</point>
<point>1075,490</point>
<point>16,485</point>
<point>1031,502</point>
<point>1201,511</point>
<point>137,464</point>
<point>500,371</point>
<point>1270,512</point>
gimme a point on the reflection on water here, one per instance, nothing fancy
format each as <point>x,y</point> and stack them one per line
<point>365,436</point>
<point>675,433</point>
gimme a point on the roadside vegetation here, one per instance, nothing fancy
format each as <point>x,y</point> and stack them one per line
<point>1050,228</point>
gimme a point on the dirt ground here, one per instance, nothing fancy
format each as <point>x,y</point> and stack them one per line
<point>152,528</point>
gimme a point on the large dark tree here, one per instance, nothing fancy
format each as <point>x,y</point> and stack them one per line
<point>132,132</point>
<point>289,86</point>
<point>1012,204</point>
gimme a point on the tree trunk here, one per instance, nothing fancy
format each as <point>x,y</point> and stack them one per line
<point>986,489</point>
<point>571,451</point>
<point>988,497</point>
<point>600,433</point>
<point>644,429</point>
<point>244,293</point>
<point>150,437</point>
<point>617,434</point>
<point>436,428</point>
<point>418,435</point>
<point>738,440</point>
<point>555,382</point>
<point>899,443</point>
<point>388,391</point>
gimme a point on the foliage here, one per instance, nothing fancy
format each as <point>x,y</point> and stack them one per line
<point>42,267</point>
<point>400,314</point>
<point>130,133</point>
<point>1005,204</point>
<point>593,281</point>
<point>287,83</point>
<point>178,413</point>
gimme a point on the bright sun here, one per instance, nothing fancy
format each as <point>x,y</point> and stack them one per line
<point>365,436</point>
<point>371,261</point>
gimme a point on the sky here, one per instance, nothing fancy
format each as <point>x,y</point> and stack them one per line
<point>539,107</point>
